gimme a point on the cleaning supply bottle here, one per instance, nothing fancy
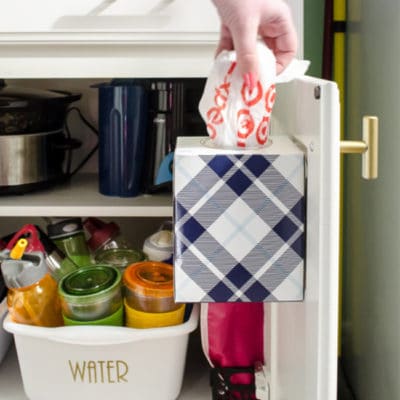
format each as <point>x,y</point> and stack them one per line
<point>69,237</point>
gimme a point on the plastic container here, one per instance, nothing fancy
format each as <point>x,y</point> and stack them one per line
<point>120,258</point>
<point>159,246</point>
<point>102,362</point>
<point>104,235</point>
<point>5,337</point>
<point>115,319</point>
<point>57,261</point>
<point>69,237</point>
<point>32,296</point>
<point>149,296</point>
<point>91,293</point>
<point>144,320</point>
<point>149,287</point>
<point>36,304</point>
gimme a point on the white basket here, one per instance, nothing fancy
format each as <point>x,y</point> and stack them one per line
<point>5,337</point>
<point>102,362</point>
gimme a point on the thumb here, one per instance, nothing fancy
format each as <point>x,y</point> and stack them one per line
<point>244,37</point>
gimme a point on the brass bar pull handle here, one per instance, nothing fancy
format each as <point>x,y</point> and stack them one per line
<point>368,147</point>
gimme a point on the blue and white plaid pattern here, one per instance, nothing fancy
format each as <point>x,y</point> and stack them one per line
<point>239,228</point>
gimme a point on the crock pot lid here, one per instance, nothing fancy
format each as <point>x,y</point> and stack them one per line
<point>11,96</point>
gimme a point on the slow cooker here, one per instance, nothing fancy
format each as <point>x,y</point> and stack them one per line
<point>33,146</point>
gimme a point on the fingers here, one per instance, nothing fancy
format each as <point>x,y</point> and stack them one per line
<point>271,19</point>
<point>244,35</point>
<point>284,49</point>
<point>280,36</point>
<point>225,40</point>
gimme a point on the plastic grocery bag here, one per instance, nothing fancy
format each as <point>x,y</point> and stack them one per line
<point>237,117</point>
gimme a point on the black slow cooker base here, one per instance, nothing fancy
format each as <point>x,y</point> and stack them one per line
<point>31,187</point>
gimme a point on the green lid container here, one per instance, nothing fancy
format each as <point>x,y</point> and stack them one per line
<point>120,258</point>
<point>91,293</point>
<point>116,319</point>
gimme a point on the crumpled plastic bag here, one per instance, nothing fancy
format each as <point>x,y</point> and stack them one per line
<point>235,116</point>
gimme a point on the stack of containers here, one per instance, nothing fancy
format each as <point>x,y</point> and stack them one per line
<point>149,296</point>
<point>91,361</point>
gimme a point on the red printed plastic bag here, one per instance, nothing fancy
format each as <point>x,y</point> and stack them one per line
<point>237,117</point>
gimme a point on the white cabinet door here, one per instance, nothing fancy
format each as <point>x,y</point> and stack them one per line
<point>112,38</point>
<point>161,20</point>
<point>107,38</point>
<point>303,338</point>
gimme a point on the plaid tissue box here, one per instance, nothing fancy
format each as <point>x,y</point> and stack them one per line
<point>239,222</point>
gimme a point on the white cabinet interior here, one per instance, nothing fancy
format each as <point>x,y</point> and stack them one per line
<point>302,339</point>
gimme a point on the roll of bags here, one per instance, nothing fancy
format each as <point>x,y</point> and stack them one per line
<point>149,300</point>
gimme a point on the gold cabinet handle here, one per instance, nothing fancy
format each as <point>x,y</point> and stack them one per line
<point>368,147</point>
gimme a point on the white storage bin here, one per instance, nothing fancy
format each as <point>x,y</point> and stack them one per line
<point>5,337</point>
<point>102,362</point>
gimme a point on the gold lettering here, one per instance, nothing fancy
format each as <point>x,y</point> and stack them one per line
<point>91,366</point>
<point>109,367</point>
<point>122,370</point>
<point>77,370</point>
<point>101,364</point>
<point>91,371</point>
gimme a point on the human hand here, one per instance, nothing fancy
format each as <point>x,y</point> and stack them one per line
<point>244,20</point>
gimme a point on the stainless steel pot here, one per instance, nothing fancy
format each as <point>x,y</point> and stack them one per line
<point>32,161</point>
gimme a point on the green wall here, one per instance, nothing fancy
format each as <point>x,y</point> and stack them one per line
<point>313,35</point>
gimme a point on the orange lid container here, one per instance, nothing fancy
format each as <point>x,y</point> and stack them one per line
<point>149,286</point>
